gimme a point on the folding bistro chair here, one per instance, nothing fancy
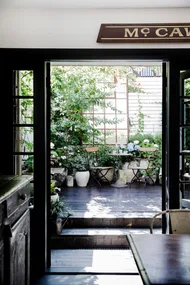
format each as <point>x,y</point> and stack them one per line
<point>97,173</point>
<point>144,165</point>
<point>179,220</point>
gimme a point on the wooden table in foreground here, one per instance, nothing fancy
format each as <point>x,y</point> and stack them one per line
<point>162,258</point>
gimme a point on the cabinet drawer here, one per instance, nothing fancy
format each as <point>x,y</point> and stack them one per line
<point>18,203</point>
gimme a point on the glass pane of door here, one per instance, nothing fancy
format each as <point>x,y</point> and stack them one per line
<point>184,159</point>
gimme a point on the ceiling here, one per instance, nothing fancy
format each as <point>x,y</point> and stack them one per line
<point>94,4</point>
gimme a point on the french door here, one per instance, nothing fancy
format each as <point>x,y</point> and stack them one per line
<point>184,136</point>
<point>171,163</point>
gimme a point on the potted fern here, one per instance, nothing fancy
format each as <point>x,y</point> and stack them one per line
<point>59,215</point>
<point>82,173</point>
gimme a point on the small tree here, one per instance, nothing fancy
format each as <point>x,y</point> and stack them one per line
<point>76,90</point>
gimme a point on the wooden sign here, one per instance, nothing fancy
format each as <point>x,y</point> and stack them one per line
<point>141,33</point>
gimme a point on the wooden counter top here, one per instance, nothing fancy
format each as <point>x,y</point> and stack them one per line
<point>11,183</point>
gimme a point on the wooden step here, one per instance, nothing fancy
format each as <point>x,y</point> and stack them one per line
<point>90,279</point>
<point>95,237</point>
<point>125,220</point>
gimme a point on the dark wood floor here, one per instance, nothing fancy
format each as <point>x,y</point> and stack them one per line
<point>110,201</point>
<point>102,267</point>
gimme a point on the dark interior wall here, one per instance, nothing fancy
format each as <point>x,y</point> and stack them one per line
<point>34,55</point>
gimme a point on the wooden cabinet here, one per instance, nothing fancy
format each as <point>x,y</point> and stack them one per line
<point>15,230</point>
<point>19,251</point>
<point>1,262</point>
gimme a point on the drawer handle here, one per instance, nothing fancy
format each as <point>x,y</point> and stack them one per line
<point>8,231</point>
<point>23,197</point>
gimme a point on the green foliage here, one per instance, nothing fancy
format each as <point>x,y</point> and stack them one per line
<point>53,188</point>
<point>80,160</point>
<point>140,117</point>
<point>29,163</point>
<point>59,209</point>
<point>75,91</point>
<point>70,157</point>
<point>187,87</point>
<point>153,140</point>
<point>103,156</point>
<point>26,107</point>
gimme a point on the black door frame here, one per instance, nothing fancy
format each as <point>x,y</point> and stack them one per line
<point>36,59</point>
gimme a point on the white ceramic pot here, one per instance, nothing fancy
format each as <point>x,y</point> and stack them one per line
<point>82,178</point>
<point>54,198</point>
<point>70,181</point>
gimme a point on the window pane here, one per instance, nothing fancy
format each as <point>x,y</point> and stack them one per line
<point>187,87</point>
<point>98,109</point>
<point>111,104</point>
<point>122,137</point>
<point>110,137</point>
<point>121,106</point>
<point>109,119</point>
<point>100,139</point>
<point>24,110</point>
<point>25,163</point>
<point>26,80</point>
<point>24,139</point>
<point>98,119</point>
<point>121,90</point>
<point>186,110</point>
<point>122,124</point>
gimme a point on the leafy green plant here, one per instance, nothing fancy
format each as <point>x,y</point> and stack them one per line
<point>104,158</point>
<point>75,92</point>
<point>80,162</point>
<point>149,140</point>
<point>53,188</point>
<point>59,215</point>
<point>59,209</point>
<point>29,163</point>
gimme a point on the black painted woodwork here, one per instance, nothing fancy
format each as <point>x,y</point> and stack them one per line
<point>35,59</point>
<point>15,230</point>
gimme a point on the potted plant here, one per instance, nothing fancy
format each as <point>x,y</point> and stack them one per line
<point>106,160</point>
<point>81,168</point>
<point>59,214</point>
<point>54,191</point>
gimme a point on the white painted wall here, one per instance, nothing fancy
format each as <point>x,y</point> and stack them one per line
<point>71,28</point>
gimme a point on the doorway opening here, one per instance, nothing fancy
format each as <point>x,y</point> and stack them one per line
<point>116,107</point>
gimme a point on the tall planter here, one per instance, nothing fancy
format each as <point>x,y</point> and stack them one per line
<point>82,178</point>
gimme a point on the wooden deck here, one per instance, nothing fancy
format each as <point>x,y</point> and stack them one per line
<point>113,202</point>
